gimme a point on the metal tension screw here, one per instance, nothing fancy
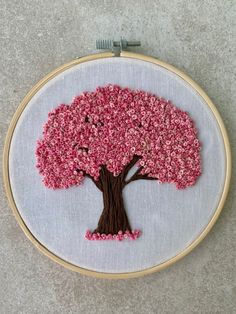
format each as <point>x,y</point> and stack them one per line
<point>116,45</point>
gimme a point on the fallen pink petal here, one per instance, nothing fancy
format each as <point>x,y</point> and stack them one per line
<point>133,235</point>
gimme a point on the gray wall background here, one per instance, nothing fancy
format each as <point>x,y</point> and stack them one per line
<point>195,36</point>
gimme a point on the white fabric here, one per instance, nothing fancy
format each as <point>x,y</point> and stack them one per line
<point>170,219</point>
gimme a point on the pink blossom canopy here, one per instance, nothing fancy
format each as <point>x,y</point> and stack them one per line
<point>111,125</point>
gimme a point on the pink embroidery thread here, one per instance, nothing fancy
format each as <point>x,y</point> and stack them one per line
<point>108,128</point>
<point>133,235</point>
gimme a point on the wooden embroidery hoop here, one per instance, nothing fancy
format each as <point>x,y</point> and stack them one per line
<point>10,196</point>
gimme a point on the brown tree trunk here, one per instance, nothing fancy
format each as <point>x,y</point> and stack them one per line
<point>113,218</point>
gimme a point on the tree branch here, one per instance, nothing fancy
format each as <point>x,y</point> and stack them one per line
<point>130,165</point>
<point>97,183</point>
<point>138,176</point>
<point>133,176</point>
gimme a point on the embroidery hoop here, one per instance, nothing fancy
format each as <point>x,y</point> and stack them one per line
<point>10,196</point>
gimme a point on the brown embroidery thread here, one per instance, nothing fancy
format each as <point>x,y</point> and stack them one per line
<point>114,217</point>
<point>103,134</point>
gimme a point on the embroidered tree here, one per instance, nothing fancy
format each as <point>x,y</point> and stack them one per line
<point>103,134</point>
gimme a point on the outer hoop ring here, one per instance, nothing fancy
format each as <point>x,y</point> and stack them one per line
<point>20,220</point>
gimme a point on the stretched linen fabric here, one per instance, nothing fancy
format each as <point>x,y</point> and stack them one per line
<point>170,219</point>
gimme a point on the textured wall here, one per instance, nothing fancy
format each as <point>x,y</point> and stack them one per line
<point>197,37</point>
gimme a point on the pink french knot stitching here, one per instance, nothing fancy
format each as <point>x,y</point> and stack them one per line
<point>111,125</point>
<point>133,235</point>
<point>106,130</point>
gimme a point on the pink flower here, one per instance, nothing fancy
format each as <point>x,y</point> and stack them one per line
<point>108,127</point>
<point>133,235</point>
